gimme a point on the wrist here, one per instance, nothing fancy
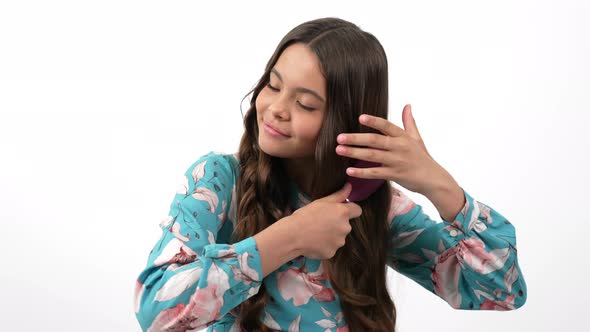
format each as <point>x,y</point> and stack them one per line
<point>448,199</point>
<point>292,235</point>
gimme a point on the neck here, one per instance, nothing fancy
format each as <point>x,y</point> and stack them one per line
<point>300,171</point>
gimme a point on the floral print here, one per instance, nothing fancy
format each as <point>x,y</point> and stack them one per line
<point>194,279</point>
<point>470,262</point>
<point>297,284</point>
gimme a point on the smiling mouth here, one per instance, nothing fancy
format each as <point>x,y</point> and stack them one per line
<point>273,132</point>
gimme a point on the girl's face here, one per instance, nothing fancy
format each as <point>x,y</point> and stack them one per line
<point>294,103</point>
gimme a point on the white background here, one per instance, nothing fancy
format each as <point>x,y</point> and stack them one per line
<point>105,104</point>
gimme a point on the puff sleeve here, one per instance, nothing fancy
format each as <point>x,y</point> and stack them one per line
<point>469,262</point>
<point>193,277</point>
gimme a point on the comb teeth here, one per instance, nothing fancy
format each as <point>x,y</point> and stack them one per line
<point>363,188</point>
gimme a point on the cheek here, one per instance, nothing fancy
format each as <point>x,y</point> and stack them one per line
<point>257,104</point>
<point>309,131</point>
<point>261,101</point>
<point>316,130</point>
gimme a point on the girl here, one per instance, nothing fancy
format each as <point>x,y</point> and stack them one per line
<point>266,240</point>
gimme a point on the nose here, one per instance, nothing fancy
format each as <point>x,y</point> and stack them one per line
<point>279,107</point>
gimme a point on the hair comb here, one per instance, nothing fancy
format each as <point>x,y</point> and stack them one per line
<point>363,188</point>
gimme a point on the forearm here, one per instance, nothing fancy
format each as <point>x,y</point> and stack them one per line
<point>447,196</point>
<point>277,245</point>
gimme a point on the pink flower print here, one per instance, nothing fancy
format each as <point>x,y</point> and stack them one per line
<point>222,216</point>
<point>183,257</point>
<point>209,304</point>
<point>325,294</point>
<point>178,284</point>
<point>326,323</point>
<point>291,284</point>
<point>244,272</point>
<point>270,322</point>
<point>295,324</point>
<point>485,212</point>
<point>404,239</point>
<point>175,229</point>
<point>175,252</point>
<point>507,304</point>
<point>207,195</point>
<point>203,307</point>
<point>446,272</point>
<point>166,221</point>
<point>175,319</point>
<point>400,204</point>
<point>183,187</point>
<point>510,277</point>
<point>475,222</point>
<point>445,276</point>
<point>295,283</point>
<point>473,252</point>
<point>199,171</point>
<point>200,192</point>
<point>332,321</point>
<point>226,254</point>
<point>217,281</point>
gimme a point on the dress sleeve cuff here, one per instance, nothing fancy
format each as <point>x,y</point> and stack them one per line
<point>244,251</point>
<point>467,216</point>
<point>249,251</point>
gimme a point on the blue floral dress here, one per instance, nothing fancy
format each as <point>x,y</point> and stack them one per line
<point>194,279</point>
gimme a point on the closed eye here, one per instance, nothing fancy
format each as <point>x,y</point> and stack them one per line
<point>307,108</point>
<point>271,87</point>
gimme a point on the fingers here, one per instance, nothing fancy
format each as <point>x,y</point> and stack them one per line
<point>377,141</point>
<point>340,195</point>
<point>374,155</point>
<point>354,210</point>
<point>381,124</point>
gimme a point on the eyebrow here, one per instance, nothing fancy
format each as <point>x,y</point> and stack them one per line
<point>299,88</point>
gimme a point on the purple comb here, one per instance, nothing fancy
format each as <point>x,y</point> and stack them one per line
<point>363,188</point>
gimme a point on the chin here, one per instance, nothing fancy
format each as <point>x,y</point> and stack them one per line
<point>272,148</point>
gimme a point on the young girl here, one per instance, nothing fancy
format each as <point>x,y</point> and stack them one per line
<point>265,239</point>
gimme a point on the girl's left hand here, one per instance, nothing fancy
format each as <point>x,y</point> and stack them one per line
<point>401,152</point>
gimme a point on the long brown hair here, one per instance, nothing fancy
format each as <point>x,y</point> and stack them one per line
<point>354,65</point>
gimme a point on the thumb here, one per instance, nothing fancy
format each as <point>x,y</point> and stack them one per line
<point>410,123</point>
<point>341,194</point>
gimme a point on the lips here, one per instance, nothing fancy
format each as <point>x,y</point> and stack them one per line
<point>276,129</point>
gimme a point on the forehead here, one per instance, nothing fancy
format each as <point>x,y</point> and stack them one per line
<point>300,66</point>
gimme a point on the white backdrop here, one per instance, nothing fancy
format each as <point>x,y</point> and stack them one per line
<point>105,104</point>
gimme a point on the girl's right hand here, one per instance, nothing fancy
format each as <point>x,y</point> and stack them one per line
<point>324,223</point>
